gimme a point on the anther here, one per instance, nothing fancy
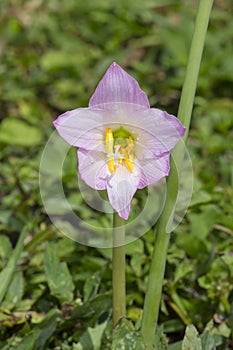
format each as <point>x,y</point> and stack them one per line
<point>109,140</point>
<point>129,165</point>
<point>119,154</point>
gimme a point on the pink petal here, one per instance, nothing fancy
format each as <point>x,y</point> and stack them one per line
<point>156,130</point>
<point>121,187</point>
<point>153,170</point>
<point>118,86</point>
<point>93,168</point>
<point>82,127</point>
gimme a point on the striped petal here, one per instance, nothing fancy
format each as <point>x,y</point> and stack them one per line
<point>121,187</point>
<point>118,86</point>
<point>152,170</point>
<point>82,127</point>
<point>93,168</point>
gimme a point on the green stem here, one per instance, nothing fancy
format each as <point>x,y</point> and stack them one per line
<point>194,62</point>
<point>6,275</point>
<point>118,269</point>
<point>158,264</point>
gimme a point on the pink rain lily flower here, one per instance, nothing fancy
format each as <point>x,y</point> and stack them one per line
<point>123,144</point>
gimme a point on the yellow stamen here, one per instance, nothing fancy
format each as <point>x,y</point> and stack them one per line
<point>120,161</point>
<point>129,165</point>
<point>111,165</point>
<point>109,141</point>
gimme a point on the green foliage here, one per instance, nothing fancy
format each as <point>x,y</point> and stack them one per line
<point>191,339</point>
<point>16,132</point>
<point>91,339</point>
<point>58,276</point>
<point>125,337</point>
<point>7,273</point>
<point>54,293</point>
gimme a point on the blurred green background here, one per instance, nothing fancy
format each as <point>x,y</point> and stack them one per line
<point>52,55</point>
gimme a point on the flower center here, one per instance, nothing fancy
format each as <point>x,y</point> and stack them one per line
<point>120,149</point>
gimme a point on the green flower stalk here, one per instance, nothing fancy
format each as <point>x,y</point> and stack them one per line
<point>162,237</point>
<point>118,269</point>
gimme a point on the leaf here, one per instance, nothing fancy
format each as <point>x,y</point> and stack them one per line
<point>28,342</point>
<point>6,275</point>
<point>40,238</point>
<point>134,247</point>
<point>202,223</point>
<point>208,341</point>
<point>41,333</point>
<point>58,276</point>
<point>200,197</point>
<point>91,339</point>
<point>182,270</point>
<point>212,336</point>
<point>16,132</point>
<point>91,285</point>
<point>136,263</point>
<point>94,308</point>
<point>15,318</point>
<point>175,346</point>
<point>90,312</point>
<point>160,342</point>
<point>5,246</point>
<point>125,337</point>
<point>46,329</point>
<point>106,341</point>
<point>191,339</point>
<point>15,291</point>
<point>96,334</point>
